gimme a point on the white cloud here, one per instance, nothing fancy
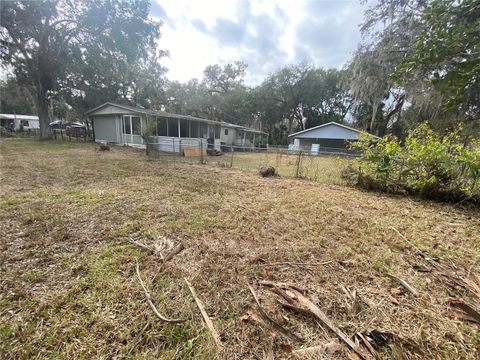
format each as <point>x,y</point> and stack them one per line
<point>264,34</point>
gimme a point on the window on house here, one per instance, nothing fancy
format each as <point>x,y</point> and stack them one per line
<point>24,122</point>
<point>226,131</point>
<point>136,125</point>
<point>184,128</point>
<point>126,125</point>
<point>173,127</point>
<point>217,131</point>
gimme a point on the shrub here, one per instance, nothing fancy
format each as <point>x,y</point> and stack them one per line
<point>426,163</point>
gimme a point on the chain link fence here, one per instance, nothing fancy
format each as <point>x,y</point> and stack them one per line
<point>324,167</point>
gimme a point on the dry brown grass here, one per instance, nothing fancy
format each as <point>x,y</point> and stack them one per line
<point>68,283</point>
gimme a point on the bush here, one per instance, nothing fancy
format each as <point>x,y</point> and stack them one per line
<point>426,164</point>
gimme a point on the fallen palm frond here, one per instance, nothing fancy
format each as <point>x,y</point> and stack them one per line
<point>329,348</point>
<point>296,301</point>
<point>378,340</point>
<point>272,323</point>
<point>463,311</point>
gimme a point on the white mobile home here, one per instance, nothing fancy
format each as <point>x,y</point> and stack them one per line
<point>126,125</point>
<point>25,122</point>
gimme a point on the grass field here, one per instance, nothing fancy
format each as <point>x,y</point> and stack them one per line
<point>69,214</point>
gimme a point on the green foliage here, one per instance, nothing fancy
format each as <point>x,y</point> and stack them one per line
<point>446,53</point>
<point>426,163</point>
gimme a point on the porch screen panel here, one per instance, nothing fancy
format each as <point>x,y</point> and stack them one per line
<point>184,128</point>
<point>217,131</point>
<point>194,129</point>
<point>173,127</point>
<point>211,132</point>
<point>162,127</point>
<point>203,130</point>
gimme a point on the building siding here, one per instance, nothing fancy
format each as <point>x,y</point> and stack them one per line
<point>106,128</point>
<point>230,138</point>
<point>331,131</point>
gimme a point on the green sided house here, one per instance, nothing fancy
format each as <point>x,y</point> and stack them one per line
<point>126,125</point>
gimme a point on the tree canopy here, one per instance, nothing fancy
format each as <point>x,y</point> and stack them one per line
<point>419,61</point>
<point>84,51</point>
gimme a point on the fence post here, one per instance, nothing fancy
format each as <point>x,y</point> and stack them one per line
<point>231,158</point>
<point>299,159</point>
<point>200,145</point>
<point>173,149</point>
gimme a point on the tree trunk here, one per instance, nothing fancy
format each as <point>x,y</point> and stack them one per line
<point>42,104</point>
<point>374,115</point>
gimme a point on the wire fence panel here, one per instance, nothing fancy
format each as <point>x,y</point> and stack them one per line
<point>323,167</point>
<point>177,150</point>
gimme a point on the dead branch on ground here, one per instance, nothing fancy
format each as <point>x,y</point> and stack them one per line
<point>149,300</point>
<point>406,285</point>
<point>208,321</point>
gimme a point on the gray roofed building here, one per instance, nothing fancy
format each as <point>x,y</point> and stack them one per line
<point>126,125</point>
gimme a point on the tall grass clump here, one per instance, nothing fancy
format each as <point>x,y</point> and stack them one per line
<point>426,163</point>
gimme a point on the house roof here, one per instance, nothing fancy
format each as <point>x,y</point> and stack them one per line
<point>328,124</point>
<point>18,117</point>
<point>140,110</point>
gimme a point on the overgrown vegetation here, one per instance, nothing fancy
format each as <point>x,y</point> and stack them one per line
<point>426,163</point>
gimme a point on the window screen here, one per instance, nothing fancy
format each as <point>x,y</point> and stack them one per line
<point>24,122</point>
<point>211,132</point>
<point>184,128</point>
<point>126,125</point>
<point>194,129</point>
<point>226,131</point>
<point>136,125</point>
<point>217,131</point>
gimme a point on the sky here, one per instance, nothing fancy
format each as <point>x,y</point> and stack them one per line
<point>265,34</point>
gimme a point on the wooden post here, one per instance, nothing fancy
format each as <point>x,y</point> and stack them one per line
<point>298,164</point>
<point>179,137</point>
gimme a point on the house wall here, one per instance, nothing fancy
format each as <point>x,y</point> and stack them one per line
<point>230,138</point>
<point>329,143</point>
<point>329,132</point>
<point>106,128</point>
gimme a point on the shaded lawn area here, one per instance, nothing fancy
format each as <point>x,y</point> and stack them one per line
<point>67,276</point>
